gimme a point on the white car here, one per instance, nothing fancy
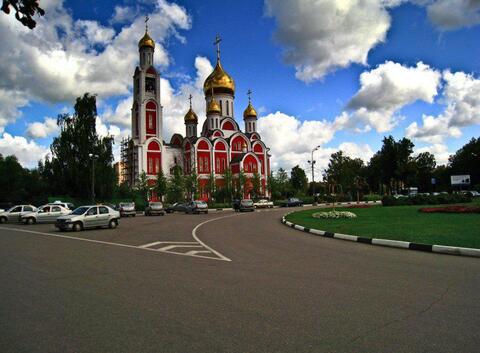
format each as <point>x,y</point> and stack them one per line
<point>15,213</point>
<point>45,214</point>
<point>67,205</point>
<point>263,204</point>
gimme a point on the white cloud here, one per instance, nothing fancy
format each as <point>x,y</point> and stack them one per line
<point>291,140</point>
<point>121,115</point>
<point>63,58</point>
<point>388,88</point>
<point>454,14</point>
<point>41,130</point>
<point>353,150</point>
<point>27,152</point>
<point>321,36</point>
<point>10,102</point>
<point>462,98</point>
<point>439,150</point>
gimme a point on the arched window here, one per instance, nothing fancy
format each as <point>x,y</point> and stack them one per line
<point>228,110</point>
<point>221,107</point>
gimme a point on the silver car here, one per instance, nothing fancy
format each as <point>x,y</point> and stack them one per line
<point>127,209</point>
<point>15,213</point>
<point>154,208</point>
<point>45,214</point>
<point>89,217</point>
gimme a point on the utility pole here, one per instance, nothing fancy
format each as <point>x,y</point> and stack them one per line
<point>312,163</point>
<point>93,156</point>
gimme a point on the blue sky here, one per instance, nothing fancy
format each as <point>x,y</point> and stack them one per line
<point>303,81</point>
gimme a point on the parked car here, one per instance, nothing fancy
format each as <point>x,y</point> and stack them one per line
<point>292,202</point>
<point>15,213</point>
<point>176,207</point>
<point>89,217</point>
<point>45,214</point>
<point>67,205</point>
<point>197,207</point>
<point>127,209</point>
<point>263,203</point>
<point>471,193</point>
<point>154,208</point>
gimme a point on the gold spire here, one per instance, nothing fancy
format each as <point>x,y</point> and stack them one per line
<point>213,107</point>
<point>191,117</point>
<point>219,80</point>
<point>250,111</point>
<point>146,40</point>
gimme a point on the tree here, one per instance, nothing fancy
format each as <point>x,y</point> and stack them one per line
<point>142,185</point>
<point>256,185</point>
<point>344,170</point>
<point>24,11</point>
<point>190,184</point>
<point>69,172</point>
<point>283,183</point>
<point>161,185</point>
<point>273,187</point>
<point>210,188</point>
<point>425,165</point>
<point>467,161</point>
<point>227,190</point>
<point>242,180</point>
<point>175,186</point>
<point>298,180</point>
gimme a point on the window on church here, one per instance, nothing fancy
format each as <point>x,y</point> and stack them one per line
<point>150,121</point>
<point>150,84</point>
<point>228,114</point>
<point>221,107</point>
<point>157,165</point>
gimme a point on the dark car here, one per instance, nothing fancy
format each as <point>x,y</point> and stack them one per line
<point>243,205</point>
<point>197,207</point>
<point>292,202</point>
<point>176,207</point>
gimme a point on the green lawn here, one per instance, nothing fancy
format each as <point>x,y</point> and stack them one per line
<point>400,223</point>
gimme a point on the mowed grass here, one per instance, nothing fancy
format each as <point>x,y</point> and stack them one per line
<point>400,223</point>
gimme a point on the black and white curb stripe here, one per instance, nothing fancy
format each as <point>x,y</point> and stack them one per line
<point>451,250</point>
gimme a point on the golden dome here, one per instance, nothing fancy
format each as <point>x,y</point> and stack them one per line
<point>213,107</point>
<point>191,117</point>
<point>250,112</point>
<point>146,41</point>
<point>219,81</point>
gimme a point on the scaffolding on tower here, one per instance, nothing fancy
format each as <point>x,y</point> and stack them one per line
<point>128,161</point>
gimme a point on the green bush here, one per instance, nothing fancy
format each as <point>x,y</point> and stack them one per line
<point>371,197</point>
<point>442,199</point>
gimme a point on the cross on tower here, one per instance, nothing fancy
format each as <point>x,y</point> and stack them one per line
<point>249,94</point>
<point>190,99</point>
<point>217,43</point>
<point>146,23</point>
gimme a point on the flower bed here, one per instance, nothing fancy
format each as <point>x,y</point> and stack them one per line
<point>450,209</point>
<point>359,206</point>
<point>334,215</point>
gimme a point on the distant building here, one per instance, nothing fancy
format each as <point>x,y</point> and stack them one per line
<point>220,144</point>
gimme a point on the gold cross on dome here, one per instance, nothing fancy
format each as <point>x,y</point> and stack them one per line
<point>146,23</point>
<point>217,43</point>
<point>190,98</point>
<point>249,94</point>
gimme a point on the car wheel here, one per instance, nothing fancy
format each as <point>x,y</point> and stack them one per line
<point>3,219</point>
<point>77,227</point>
<point>112,224</point>
<point>30,220</point>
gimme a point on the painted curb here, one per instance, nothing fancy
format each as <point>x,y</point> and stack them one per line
<point>440,249</point>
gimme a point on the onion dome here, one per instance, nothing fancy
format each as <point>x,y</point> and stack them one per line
<point>250,112</point>
<point>213,107</point>
<point>191,117</point>
<point>219,81</point>
<point>146,41</point>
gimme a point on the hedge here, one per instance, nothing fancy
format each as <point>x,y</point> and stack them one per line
<point>441,199</point>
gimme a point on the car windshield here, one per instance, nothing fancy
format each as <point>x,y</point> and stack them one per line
<point>156,204</point>
<point>127,204</point>
<point>247,202</point>
<point>200,203</point>
<point>80,211</point>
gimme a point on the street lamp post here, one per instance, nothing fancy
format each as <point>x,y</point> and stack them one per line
<point>312,163</point>
<point>93,156</point>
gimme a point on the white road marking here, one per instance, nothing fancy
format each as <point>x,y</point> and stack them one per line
<point>169,247</point>
<point>195,252</point>
<point>149,244</point>
<point>166,242</point>
<point>109,243</point>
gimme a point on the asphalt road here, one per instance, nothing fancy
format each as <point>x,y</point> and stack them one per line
<point>246,283</point>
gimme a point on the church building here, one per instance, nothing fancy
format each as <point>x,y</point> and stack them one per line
<point>208,150</point>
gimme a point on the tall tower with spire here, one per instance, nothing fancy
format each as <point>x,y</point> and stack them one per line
<point>250,116</point>
<point>191,121</point>
<point>146,112</point>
